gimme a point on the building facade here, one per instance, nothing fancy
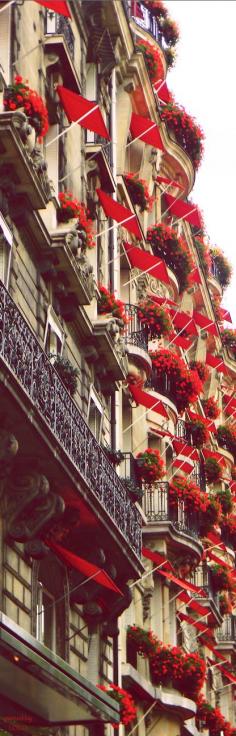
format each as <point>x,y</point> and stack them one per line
<point>117,381</point>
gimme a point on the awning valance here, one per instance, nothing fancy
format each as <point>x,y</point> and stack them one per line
<point>83,111</point>
<point>120,214</point>
<point>86,568</point>
<point>147,130</point>
<point>184,210</point>
<point>146,262</point>
<point>150,402</point>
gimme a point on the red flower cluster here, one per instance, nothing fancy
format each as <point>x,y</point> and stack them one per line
<point>188,134</point>
<point>222,578</point>
<point>150,465</point>
<point>185,384</point>
<point>153,60</point>
<point>20,94</point>
<point>198,431</point>
<point>170,31</point>
<point>128,708</point>
<point>228,337</point>
<point>224,269</point>
<point>138,191</point>
<point>201,368</point>
<point>225,604</point>
<point>212,719</point>
<point>170,664</point>
<point>72,208</point>
<point>155,318</point>
<point>156,7</point>
<point>194,500</point>
<point>174,250</point>
<point>108,304</point>
<point>211,408</point>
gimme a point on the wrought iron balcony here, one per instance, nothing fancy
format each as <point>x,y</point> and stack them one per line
<point>128,472</point>
<point>215,271</point>
<point>227,630</point>
<point>180,430</point>
<point>22,354</point>
<point>135,333</point>
<point>202,577</point>
<point>163,385</point>
<point>144,19</point>
<point>157,507</point>
<point>58,25</point>
<point>198,475</point>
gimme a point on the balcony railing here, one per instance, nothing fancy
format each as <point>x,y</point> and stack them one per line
<point>227,630</point>
<point>198,476</point>
<point>157,507</point>
<point>58,25</point>
<point>180,430</point>
<point>21,352</point>
<point>202,577</point>
<point>135,334</point>
<point>163,385</point>
<point>215,270</point>
<point>144,19</point>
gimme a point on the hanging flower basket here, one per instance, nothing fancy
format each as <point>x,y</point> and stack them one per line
<point>225,604</point>
<point>127,704</point>
<point>172,377</point>
<point>174,250</point>
<point>68,374</point>
<point>19,94</point>
<point>198,432</point>
<point>150,466</point>
<point>186,131</point>
<point>224,269</point>
<point>228,526</point>
<point>221,578</point>
<point>201,368</point>
<point>226,437</point>
<point>170,56</point>
<point>138,191</point>
<point>204,255</point>
<point>71,208</point>
<point>228,338</point>
<point>211,408</point>
<point>225,499</point>
<point>210,515</point>
<point>144,642</point>
<point>213,470</point>
<point>170,31</point>
<point>212,719</point>
<point>156,7</point>
<point>186,491</point>
<point>154,318</point>
<point>108,304</point>
<point>152,59</point>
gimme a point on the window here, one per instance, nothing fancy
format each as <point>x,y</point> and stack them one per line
<point>6,240</point>
<point>46,618</point>
<point>5,36</point>
<point>91,94</point>
<point>54,335</point>
<point>95,414</point>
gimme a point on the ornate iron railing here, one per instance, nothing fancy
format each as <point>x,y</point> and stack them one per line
<point>22,353</point>
<point>144,19</point>
<point>157,507</point>
<point>162,385</point>
<point>198,475</point>
<point>227,630</point>
<point>58,25</point>
<point>202,577</point>
<point>135,334</point>
<point>215,271</point>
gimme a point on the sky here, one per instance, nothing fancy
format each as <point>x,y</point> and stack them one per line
<point>203,81</point>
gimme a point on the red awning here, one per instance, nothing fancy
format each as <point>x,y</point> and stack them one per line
<point>184,210</point>
<point>161,300</point>
<point>181,448</point>
<point>181,342</point>
<point>58,6</point>
<point>205,323</point>
<point>215,455</point>
<point>184,321</point>
<point>85,567</point>
<point>150,402</point>
<point>163,93</point>
<point>147,130</point>
<point>170,182</point>
<point>230,401</point>
<point>136,10</point>
<point>198,624</point>
<point>146,262</point>
<point>120,214</point>
<point>83,111</point>
<point>195,605</point>
<point>224,314</point>
<point>195,276</point>
<point>161,432</point>
<point>216,362</point>
<point>218,560</point>
<point>156,557</point>
<point>198,417</point>
<point>183,465</point>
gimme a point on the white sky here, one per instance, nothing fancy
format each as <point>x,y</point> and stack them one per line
<point>204,82</point>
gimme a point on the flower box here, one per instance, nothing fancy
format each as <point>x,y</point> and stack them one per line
<point>197,432</point>
<point>211,408</point>
<point>213,470</point>
<point>108,304</point>
<point>152,59</point>
<point>20,95</point>
<point>184,384</point>
<point>154,318</point>
<point>226,437</point>
<point>127,704</point>
<point>174,250</point>
<point>150,466</point>
<point>186,131</point>
<point>72,209</point>
<point>223,270</point>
